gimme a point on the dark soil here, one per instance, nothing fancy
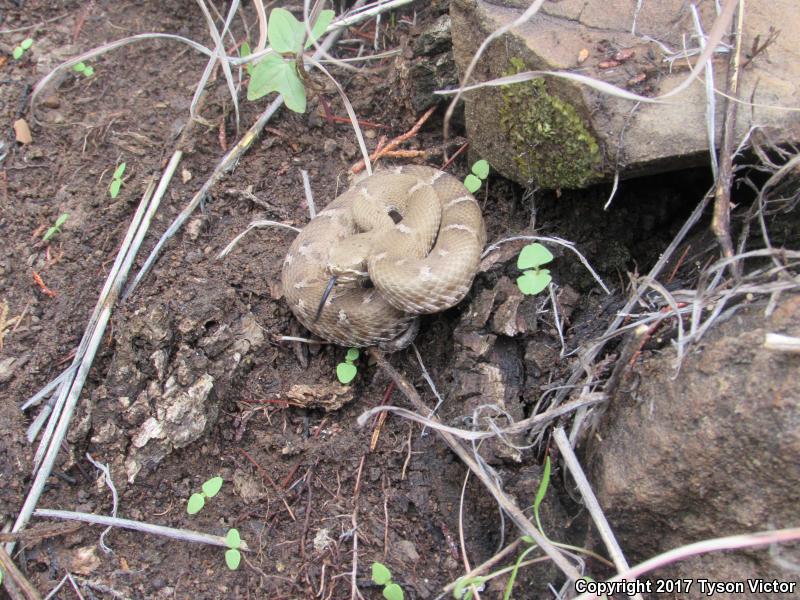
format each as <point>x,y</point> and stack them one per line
<point>294,476</point>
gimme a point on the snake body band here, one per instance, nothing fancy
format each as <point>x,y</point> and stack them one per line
<point>414,233</point>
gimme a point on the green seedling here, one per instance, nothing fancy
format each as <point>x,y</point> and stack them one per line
<point>56,228</point>
<point>534,279</point>
<point>462,590</point>
<point>346,371</point>
<point>540,494</point>
<point>1,577</point>
<point>233,540</point>
<point>245,51</point>
<point>116,181</point>
<point>232,555</point>
<point>24,45</point>
<point>480,171</point>
<point>208,490</point>
<point>282,71</point>
<point>382,576</point>
<point>83,68</point>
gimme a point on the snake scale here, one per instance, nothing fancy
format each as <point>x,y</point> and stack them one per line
<point>400,243</point>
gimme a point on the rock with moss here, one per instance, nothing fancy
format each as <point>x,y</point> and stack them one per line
<point>552,143</point>
<point>554,133</point>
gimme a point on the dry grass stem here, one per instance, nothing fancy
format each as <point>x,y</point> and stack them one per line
<point>590,501</point>
<point>505,502</point>
<point>184,535</point>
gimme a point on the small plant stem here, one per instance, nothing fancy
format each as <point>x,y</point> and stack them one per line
<point>505,502</point>
<point>184,535</point>
<point>485,566</point>
<point>720,224</point>
<point>16,584</point>
<point>590,500</point>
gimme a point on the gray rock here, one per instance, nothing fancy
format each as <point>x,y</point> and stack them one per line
<point>709,453</point>
<point>555,134</point>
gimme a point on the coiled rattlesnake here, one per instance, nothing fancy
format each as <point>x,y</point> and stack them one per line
<point>424,263</point>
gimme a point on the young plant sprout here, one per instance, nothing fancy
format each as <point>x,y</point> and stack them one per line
<point>462,589</point>
<point>382,576</point>
<point>534,279</point>
<point>480,171</point>
<point>208,490</point>
<point>346,371</point>
<point>83,68</point>
<point>273,73</point>
<point>56,228</point>
<point>116,181</point>
<point>244,51</point>
<point>24,45</point>
<point>232,555</point>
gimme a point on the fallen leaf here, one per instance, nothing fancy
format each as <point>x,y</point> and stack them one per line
<point>583,55</point>
<point>22,131</point>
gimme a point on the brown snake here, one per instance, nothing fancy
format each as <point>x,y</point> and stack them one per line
<point>424,263</point>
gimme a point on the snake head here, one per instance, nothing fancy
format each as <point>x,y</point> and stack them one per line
<point>347,262</point>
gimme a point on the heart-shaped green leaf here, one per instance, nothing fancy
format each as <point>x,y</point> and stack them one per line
<point>233,539</point>
<point>472,183</point>
<point>26,43</point>
<point>294,93</point>
<point>114,188</point>
<point>195,504</point>
<point>393,592</point>
<point>265,76</point>
<point>17,52</point>
<point>284,31</point>
<point>346,372</point>
<point>88,71</point>
<point>79,68</point>
<point>380,574</point>
<point>531,283</point>
<point>325,18</point>
<point>533,256</point>
<point>273,74</point>
<point>481,169</point>
<point>212,486</point>
<point>232,558</point>
<point>119,171</point>
<point>352,355</point>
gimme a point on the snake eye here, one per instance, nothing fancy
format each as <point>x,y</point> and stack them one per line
<point>324,299</point>
<point>396,216</point>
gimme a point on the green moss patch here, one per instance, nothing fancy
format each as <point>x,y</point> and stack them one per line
<point>553,147</point>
